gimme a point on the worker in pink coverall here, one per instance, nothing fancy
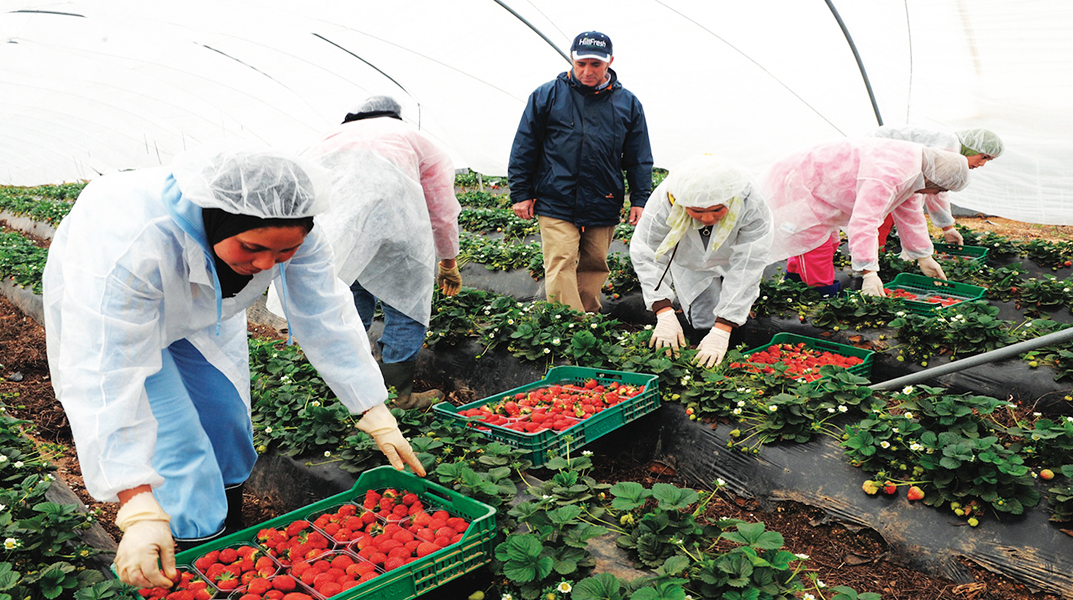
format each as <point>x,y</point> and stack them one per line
<point>853,184</point>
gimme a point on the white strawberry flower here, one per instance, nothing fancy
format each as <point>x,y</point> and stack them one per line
<point>18,464</point>
<point>547,351</point>
<point>802,556</point>
<point>773,408</point>
<point>736,411</point>
<point>907,390</point>
<point>908,415</point>
<point>586,453</point>
<point>564,587</point>
<point>11,543</point>
<point>830,410</point>
<point>884,444</point>
<point>842,408</point>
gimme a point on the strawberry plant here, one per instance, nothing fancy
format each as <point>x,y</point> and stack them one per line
<point>1044,294</point>
<point>622,279</point>
<point>22,261</point>
<point>856,311</point>
<point>453,318</point>
<point>479,199</point>
<point>28,203</point>
<point>1061,496</point>
<point>501,255</point>
<point>950,449</point>
<point>780,296</point>
<point>1053,255</point>
<point>499,220</point>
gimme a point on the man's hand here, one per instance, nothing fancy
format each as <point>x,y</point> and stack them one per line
<point>524,209</point>
<point>146,539</point>
<point>635,214</point>
<point>379,423</point>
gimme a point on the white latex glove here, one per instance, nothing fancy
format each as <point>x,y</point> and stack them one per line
<point>668,332</point>
<point>712,348</point>
<point>381,425</point>
<point>146,539</point>
<point>953,236</point>
<point>929,267</point>
<point>872,285</point>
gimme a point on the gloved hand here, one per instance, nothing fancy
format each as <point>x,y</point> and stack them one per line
<point>953,236</point>
<point>712,348</point>
<point>448,279</point>
<point>872,285</point>
<point>146,538</point>
<point>668,332</point>
<point>929,267</point>
<point>381,425</point>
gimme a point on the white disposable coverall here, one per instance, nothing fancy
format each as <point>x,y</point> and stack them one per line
<point>848,184</point>
<point>722,283</point>
<point>389,182</point>
<point>127,276</point>
<point>938,205</point>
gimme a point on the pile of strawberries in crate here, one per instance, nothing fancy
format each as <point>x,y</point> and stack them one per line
<point>555,407</point>
<point>929,298</point>
<point>801,361</point>
<point>319,558</point>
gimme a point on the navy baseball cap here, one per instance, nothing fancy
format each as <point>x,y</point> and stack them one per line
<point>591,44</point>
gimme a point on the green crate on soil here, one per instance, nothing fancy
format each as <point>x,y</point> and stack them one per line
<point>926,287</point>
<point>977,254</point>
<point>864,369</point>
<point>474,550</point>
<point>545,444</point>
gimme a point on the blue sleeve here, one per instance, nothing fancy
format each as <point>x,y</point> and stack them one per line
<point>526,150</point>
<point>637,158</point>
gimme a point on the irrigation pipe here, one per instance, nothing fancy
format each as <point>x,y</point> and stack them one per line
<point>991,356</point>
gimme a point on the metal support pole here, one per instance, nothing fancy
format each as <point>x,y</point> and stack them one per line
<point>1058,337</point>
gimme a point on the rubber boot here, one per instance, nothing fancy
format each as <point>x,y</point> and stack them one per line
<point>401,376</point>
<point>233,521</point>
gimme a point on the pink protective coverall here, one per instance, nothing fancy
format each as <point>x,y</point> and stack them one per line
<point>850,184</point>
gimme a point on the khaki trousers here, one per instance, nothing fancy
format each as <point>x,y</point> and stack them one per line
<point>575,262</point>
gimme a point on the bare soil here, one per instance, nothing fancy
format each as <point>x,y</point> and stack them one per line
<point>841,555</point>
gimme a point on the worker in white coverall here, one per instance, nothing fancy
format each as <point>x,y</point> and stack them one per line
<point>393,226</point>
<point>703,239</point>
<point>853,184</point>
<point>978,146</point>
<point>145,291</point>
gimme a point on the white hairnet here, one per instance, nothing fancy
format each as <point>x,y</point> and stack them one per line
<point>380,104</point>
<point>707,180</point>
<point>948,170</point>
<point>702,182</point>
<point>980,141</point>
<point>268,184</point>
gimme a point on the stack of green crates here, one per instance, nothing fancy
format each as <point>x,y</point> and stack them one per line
<point>864,369</point>
<point>474,550</point>
<point>976,254</point>
<point>926,287</point>
<point>542,445</point>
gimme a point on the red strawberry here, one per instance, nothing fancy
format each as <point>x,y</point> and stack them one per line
<point>915,493</point>
<point>889,488</point>
<point>393,563</point>
<point>426,548</point>
<point>228,555</point>
<point>297,526</point>
<point>284,583</point>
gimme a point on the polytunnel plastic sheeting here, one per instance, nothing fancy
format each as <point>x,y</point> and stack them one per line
<point>89,87</point>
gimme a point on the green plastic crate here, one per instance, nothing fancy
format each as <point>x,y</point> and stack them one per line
<point>926,287</point>
<point>976,254</point>
<point>545,444</point>
<point>474,550</point>
<point>864,369</point>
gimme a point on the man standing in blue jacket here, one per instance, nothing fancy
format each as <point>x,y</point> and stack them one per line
<point>578,134</point>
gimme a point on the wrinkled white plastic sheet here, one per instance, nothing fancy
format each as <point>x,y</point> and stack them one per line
<point>88,87</point>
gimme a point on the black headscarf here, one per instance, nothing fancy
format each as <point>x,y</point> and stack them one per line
<point>370,115</point>
<point>220,225</point>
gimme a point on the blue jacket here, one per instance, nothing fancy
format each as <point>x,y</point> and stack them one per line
<point>571,147</point>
